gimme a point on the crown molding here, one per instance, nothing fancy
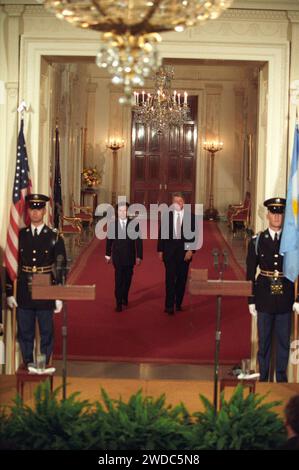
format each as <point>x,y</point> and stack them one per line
<point>14,10</point>
<point>253,15</point>
<point>282,5</point>
<point>293,16</point>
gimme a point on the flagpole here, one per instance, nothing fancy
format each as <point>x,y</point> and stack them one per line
<point>4,319</point>
<point>14,329</point>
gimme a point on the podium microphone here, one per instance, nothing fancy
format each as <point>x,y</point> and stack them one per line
<point>225,259</point>
<point>215,254</point>
<point>60,268</point>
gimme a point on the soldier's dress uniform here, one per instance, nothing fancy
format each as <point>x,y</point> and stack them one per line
<point>273,296</point>
<point>39,249</point>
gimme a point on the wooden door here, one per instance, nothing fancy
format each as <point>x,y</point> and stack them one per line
<point>166,163</point>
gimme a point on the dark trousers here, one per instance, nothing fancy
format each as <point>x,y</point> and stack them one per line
<point>176,274</point>
<point>279,325</point>
<point>26,332</point>
<point>123,278</point>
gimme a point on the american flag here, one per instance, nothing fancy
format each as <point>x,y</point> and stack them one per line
<point>18,210</point>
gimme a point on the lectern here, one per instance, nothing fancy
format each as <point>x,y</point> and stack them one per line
<point>199,284</point>
<point>42,289</point>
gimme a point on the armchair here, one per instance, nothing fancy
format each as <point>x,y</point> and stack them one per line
<point>83,213</point>
<point>232,208</point>
<point>71,226</point>
<point>240,214</point>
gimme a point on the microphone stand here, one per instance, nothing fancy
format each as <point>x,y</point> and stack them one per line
<point>63,270</point>
<point>220,267</point>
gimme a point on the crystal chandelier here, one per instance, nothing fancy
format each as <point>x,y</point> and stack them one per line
<point>162,109</point>
<point>130,30</point>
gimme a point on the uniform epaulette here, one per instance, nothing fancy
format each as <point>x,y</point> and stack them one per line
<point>257,234</point>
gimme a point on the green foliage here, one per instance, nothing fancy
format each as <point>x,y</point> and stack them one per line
<point>51,424</point>
<point>143,423</point>
<point>242,423</point>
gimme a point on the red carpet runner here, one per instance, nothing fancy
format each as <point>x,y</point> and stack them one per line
<point>143,332</point>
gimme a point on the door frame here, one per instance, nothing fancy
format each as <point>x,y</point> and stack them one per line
<point>272,171</point>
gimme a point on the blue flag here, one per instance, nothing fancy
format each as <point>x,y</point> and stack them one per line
<point>289,246</point>
<point>57,183</point>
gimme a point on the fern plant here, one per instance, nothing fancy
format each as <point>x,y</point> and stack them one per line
<point>51,424</point>
<point>242,423</point>
<point>143,423</point>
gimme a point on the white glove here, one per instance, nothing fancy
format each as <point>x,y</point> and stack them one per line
<point>58,306</point>
<point>252,310</point>
<point>11,302</point>
<point>296,307</point>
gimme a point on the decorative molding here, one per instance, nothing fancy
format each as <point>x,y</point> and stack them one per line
<point>37,10</point>
<point>91,87</point>
<point>293,16</point>
<point>266,4</point>
<point>253,31</point>
<point>256,15</point>
<point>14,10</point>
<point>12,89</point>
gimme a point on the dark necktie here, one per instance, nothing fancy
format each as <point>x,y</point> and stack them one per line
<point>178,226</point>
<point>35,233</point>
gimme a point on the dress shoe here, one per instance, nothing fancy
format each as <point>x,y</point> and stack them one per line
<point>118,308</point>
<point>170,311</point>
<point>179,308</point>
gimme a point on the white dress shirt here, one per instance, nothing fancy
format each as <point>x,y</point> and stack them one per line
<point>272,233</point>
<point>177,214</point>
<point>39,228</point>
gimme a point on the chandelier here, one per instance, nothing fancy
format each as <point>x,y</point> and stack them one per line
<point>162,109</point>
<point>130,30</point>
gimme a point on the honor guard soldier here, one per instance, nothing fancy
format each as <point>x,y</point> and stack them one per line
<point>273,296</point>
<point>42,251</point>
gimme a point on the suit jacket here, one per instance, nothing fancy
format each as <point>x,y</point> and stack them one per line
<point>124,247</point>
<point>173,247</point>
<point>39,251</point>
<point>268,259</point>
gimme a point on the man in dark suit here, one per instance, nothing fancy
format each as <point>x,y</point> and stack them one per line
<point>176,248</point>
<point>124,245</point>
<point>41,249</point>
<point>273,297</point>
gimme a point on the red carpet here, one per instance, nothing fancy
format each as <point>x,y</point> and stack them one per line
<point>144,332</point>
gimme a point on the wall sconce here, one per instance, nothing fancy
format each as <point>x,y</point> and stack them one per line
<point>212,147</point>
<point>114,144</point>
